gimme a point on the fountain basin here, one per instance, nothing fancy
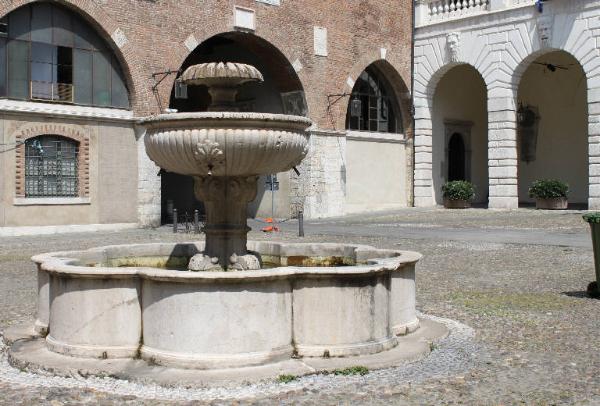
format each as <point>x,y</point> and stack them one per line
<point>226,143</point>
<point>207,320</point>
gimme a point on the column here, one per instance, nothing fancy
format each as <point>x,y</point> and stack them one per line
<point>502,148</point>
<point>423,186</point>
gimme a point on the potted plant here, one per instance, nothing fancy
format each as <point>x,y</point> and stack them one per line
<point>549,194</point>
<point>458,194</point>
<point>594,221</point>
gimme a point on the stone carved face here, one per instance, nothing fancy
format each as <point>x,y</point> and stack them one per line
<point>453,44</point>
<point>544,26</point>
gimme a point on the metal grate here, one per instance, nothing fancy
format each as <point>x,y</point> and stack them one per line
<point>52,91</point>
<point>51,167</point>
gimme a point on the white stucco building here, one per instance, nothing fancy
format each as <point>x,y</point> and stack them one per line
<point>507,92</point>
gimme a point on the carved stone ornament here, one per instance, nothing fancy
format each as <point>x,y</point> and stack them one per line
<point>209,156</point>
<point>453,46</point>
<point>544,28</point>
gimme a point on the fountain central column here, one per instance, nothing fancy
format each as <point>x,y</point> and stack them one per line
<point>226,228</point>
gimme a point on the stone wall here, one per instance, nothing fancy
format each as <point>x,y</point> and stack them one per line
<point>500,43</point>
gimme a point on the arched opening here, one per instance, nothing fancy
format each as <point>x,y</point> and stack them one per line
<point>49,53</point>
<point>552,126</point>
<point>456,158</point>
<point>280,93</point>
<point>373,105</point>
<point>460,141</point>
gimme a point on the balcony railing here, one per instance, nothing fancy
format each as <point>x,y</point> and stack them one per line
<point>52,91</point>
<point>436,11</point>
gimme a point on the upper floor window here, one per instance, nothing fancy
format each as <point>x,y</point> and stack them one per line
<point>51,168</point>
<point>49,53</point>
<point>371,107</point>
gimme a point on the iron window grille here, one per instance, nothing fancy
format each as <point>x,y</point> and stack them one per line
<point>51,168</point>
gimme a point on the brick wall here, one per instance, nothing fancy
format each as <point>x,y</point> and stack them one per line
<point>150,36</point>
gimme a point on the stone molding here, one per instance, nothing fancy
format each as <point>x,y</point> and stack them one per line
<point>51,201</point>
<point>65,111</point>
<point>70,131</point>
<point>367,136</point>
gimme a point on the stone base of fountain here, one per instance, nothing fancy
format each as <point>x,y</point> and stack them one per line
<point>28,351</point>
<point>312,301</point>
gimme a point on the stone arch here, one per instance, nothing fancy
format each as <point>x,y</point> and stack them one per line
<point>458,105</point>
<point>557,95</point>
<point>526,62</point>
<point>106,27</point>
<point>70,131</point>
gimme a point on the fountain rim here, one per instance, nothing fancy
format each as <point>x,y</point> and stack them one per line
<point>66,263</point>
<point>228,118</point>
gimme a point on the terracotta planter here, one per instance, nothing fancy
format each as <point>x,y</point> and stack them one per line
<point>553,203</point>
<point>456,204</point>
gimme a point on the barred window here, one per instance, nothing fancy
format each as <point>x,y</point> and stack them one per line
<point>51,167</point>
<point>371,108</point>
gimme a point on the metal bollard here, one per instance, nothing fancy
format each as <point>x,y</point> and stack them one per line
<point>196,222</point>
<point>300,223</point>
<point>174,220</point>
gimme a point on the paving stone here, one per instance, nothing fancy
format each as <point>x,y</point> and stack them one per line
<point>522,328</point>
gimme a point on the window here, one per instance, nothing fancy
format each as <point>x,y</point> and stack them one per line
<point>370,108</point>
<point>51,168</point>
<point>49,53</point>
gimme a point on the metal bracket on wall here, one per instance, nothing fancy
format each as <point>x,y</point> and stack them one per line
<point>158,78</point>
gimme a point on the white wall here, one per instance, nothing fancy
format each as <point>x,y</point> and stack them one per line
<point>562,141</point>
<point>461,95</point>
<point>376,177</point>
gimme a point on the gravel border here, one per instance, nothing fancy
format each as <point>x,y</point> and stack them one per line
<point>457,353</point>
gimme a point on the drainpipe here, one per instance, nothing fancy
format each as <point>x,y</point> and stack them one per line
<point>412,96</point>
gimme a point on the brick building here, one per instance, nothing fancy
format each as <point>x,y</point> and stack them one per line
<point>77,74</point>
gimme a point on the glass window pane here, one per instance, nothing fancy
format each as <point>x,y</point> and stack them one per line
<point>82,76</point>
<point>101,78</point>
<point>42,72</point>
<point>18,69</point>
<point>41,23</point>
<point>19,23</point>
<point>2,67</point>
<point>42,52</point>
<point>63,32</point>
<point>85,37</point>
<point>118,89</point>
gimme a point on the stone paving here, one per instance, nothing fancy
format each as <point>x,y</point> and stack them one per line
<point>523,331</point>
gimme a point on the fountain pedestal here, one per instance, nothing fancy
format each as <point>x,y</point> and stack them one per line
<point>226,228</point>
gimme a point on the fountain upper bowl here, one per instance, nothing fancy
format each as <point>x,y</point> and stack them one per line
<point>226,143</point>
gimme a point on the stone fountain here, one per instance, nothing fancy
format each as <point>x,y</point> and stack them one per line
<point>139,302</point>
<point>225,151</point>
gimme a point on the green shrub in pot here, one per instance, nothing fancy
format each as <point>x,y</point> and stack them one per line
<point>458,194</point>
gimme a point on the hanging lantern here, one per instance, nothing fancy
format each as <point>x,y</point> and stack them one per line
<point>356,107</point>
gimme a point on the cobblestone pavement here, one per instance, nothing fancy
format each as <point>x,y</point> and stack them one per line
<point>533,337</point>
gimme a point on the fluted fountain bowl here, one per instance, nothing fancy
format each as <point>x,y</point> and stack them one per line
<point>226,143</point>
